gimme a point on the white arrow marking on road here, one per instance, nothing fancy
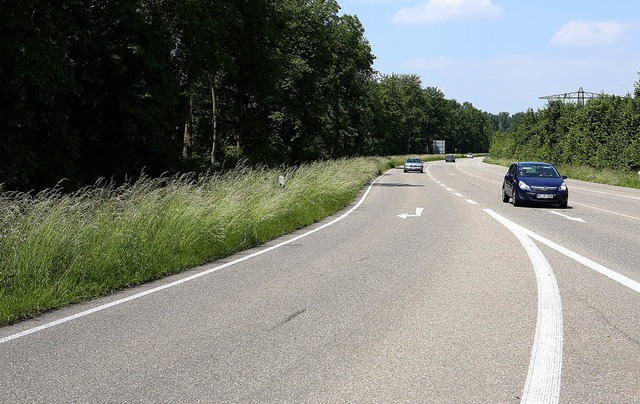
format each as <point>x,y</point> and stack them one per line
<point>575,219</point>
<point>418,213</point>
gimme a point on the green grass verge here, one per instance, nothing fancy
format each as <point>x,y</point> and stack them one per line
<point>602,176</point>
<point>57,249</point>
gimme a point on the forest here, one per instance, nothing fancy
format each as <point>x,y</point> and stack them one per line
<point>116,88</point>
<point>604,133</point>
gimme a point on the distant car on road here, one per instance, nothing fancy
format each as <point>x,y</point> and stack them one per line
<point>450,158</point>
<point>534,182</point>
<point>413,164</point>
<point>469,155</point>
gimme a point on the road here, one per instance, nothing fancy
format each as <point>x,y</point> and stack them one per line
<point>428,288</point>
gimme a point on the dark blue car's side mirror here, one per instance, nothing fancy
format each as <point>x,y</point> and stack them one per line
<point>564,177</point>
<point>508,176</point>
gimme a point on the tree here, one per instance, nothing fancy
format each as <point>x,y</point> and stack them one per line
<point>108,88</point>
<point>38,146</point>
<point>124,107</point>
<point>404,116</point>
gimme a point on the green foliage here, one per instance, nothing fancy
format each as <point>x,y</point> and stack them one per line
<point>409,118</point>
<point>95,88</point>
<point>36,77</point>
<point>87,92</point>
<point>603,134</point>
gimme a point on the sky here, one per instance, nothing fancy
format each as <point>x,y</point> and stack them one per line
<point>502,55</point>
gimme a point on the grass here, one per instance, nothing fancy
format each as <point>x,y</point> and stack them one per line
<point>57,249</point>
<point>602,176</point>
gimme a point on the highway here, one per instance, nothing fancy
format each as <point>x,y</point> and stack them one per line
<point>427,288</point>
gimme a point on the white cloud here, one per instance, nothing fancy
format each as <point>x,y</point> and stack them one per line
<point>440,63</point>
<point>590,34</point>
<point>435,11</point>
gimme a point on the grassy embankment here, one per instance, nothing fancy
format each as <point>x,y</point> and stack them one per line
<point>610,177</point>
<point>57,249</point>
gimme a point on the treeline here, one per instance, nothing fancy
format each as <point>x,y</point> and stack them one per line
<point>111,88</point>
<point>603,133</point>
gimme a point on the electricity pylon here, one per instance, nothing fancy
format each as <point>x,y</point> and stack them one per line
<point>580,95</point>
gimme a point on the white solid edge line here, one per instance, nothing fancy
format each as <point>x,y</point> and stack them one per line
<point>183,280</point>
<point>545,366</point>
<point>606,211</point>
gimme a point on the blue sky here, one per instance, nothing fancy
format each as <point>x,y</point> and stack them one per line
<point>501,55</point>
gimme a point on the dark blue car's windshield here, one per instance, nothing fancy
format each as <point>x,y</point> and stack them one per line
<point>537,170</point>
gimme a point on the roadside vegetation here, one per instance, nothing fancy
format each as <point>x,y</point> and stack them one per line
<point>598,141</point>
<point>57,248</point>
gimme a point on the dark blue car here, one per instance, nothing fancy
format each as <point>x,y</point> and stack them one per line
<point>534,182</point>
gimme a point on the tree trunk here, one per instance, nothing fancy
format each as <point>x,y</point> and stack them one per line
<point>187,142</point>
<point>213,117</point>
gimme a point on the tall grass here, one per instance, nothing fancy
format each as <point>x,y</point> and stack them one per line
<point>627,179</point>
<point>58,248</point>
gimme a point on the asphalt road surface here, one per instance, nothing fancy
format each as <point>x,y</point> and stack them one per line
<point>428,288</point>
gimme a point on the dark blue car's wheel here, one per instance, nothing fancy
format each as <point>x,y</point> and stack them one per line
<point>505,197</point>
<point>516,202</point>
